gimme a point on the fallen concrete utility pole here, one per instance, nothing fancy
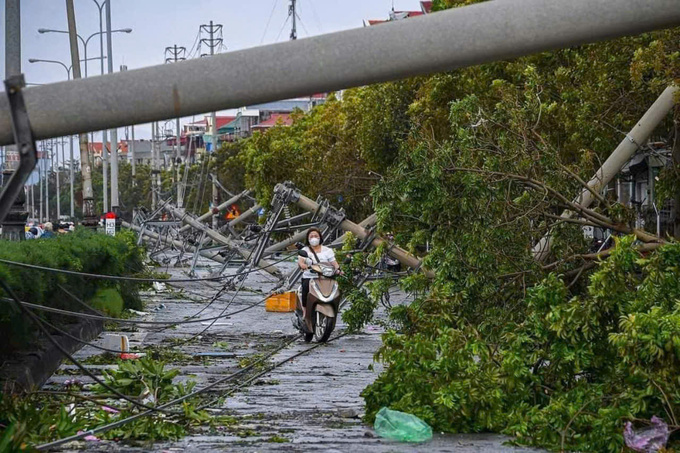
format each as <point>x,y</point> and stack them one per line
<point>367,222</point>
<point>221,207</point>
<point>443,41</point>
<point>218,238</point>
<point>302,236</point>
<point>213,255</point>
<point>637,137</point>
<point>396,252</point>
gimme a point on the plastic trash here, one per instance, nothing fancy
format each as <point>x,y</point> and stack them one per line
<point>401,426</point>
<point>647,440</point>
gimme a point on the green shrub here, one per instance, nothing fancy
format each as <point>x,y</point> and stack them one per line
<point>109,301</point>
<point>82,251</point>
<point>566,376</point>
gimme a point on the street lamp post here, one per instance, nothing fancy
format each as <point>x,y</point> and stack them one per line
<point>100,33</point>
<point>71,176</point>
<point>84,41</point>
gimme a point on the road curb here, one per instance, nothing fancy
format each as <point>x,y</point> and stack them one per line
<point>34,368</point>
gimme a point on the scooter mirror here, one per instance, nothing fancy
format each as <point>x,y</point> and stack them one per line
<point>302,253</point>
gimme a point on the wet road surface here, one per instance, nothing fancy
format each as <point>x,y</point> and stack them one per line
<point>311,403</point>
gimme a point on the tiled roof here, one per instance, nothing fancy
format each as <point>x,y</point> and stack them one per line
<point>283,119</point>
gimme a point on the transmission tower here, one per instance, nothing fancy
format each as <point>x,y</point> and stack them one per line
<point>175,53</point>
<point>214,41</point>
<point>292,13</point>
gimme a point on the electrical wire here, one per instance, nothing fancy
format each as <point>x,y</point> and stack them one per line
<point>76,314</point>
<point>281,31</point>
<point>266,28</point>
<point>195,393</point>
<point>132,279</point>
<point>122,422</point>
<point>41,326</point>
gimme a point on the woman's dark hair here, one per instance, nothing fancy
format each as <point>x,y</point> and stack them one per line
<point>311,230</point>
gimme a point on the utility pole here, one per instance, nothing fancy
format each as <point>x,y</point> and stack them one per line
<point>292,13</point>
<point>71,175</point>
<point>13,224</point>
<point>131,145</point>
<point>173,55</point>
<point>153,166</point>
<point>212,42</point>
<point>89,218</point>
<point>41,161</point>
<point>114,131</point>
<point>48,167</point>
<point>57,142</point>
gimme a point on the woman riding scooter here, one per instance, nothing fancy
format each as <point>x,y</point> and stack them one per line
<point>317,253</point>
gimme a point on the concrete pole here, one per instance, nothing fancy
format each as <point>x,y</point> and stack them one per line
<point>217,237</point>
<point>15,220</point>
<point>132,154</point>
<point>215,192</point>
<point>40,179</point>
<point>211,254</point>
<point>56,173</point>
<point>72,176</point>
<point>244,215</point>
<point>48,169</point>
<point>221,207</point>
<point>89,218</point>
<point>176,165</point>
<point>483,32</point>
<point>159,182</point>
<point>396,252</point>
<point>12,38</point>
<point>153,167</point>
<point>637,137</point>
<point>114,131</point>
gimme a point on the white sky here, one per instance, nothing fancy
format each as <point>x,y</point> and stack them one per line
<point>158,24</point>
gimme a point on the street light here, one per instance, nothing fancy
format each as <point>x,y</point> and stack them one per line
<point>71,175</point>
<point>84,41</point>
<point>68,68</point>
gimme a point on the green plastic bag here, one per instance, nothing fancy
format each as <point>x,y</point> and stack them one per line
<point>401,426</point>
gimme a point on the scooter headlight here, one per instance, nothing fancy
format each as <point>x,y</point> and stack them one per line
<point>328,271</point>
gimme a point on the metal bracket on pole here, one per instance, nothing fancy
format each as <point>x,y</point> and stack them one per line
<point>23,138</point>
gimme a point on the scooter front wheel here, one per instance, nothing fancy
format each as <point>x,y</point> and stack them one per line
<point>324,327</point>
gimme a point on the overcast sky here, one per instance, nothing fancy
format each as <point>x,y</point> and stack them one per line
<point>158,24</point>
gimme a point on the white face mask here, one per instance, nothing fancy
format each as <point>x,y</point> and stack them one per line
<point>314,241</point>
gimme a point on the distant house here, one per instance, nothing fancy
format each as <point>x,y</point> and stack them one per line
<point>143,153</point>
<point>95,148</point>
<point>425,8</point>
<point>275,119</point>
